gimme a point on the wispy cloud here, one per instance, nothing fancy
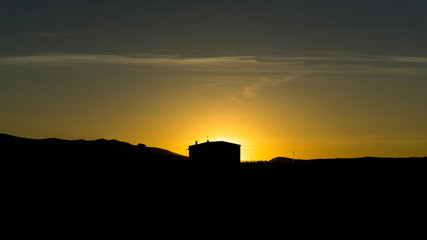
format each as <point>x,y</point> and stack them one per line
<point>118,59</point>
<point>242,77</point>
<point>177,59</point>
<point>225,61</point>
<point>251,90</point>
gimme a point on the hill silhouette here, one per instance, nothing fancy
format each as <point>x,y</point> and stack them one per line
<point>58,157</point>
<point>365,162</point>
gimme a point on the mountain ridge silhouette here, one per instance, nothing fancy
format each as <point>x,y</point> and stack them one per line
<point>7,139</point>
<point>59,157</point>
<point>108,158</point>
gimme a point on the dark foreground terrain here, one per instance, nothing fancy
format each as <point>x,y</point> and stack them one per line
<point>62,187</point>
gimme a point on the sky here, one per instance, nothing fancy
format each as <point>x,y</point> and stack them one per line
<point>323,79</point>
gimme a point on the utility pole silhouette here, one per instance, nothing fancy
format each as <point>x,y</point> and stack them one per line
<point>293,157</point>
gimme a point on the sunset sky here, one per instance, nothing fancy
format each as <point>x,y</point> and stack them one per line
<point>322,79</point>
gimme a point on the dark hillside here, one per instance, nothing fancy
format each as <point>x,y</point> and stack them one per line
<point>366,162</point>
<point>56,157</point>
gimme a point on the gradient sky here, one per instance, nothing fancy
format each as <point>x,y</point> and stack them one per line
<point>321,78</point>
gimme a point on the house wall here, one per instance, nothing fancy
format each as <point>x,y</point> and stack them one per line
<point>215,153</point>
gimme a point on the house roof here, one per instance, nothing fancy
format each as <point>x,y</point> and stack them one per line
<point>215,143</point>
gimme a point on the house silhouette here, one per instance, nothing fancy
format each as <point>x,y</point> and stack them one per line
<point>220,153</point>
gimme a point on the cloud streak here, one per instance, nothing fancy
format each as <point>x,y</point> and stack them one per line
<point>117,59</point>
<point>244,76</point>
<point>209,61</point>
